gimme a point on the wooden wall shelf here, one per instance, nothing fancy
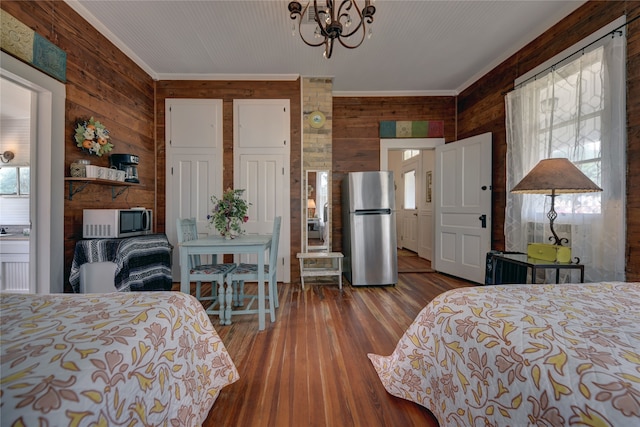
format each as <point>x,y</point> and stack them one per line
<point>83,182</point>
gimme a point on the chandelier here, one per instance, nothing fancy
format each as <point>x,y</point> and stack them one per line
<point>334,22</point>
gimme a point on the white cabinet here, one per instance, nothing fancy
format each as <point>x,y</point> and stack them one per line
<point>14,265</point>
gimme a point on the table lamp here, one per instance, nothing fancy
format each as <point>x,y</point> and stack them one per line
<point>311,206</point>
<point>553,177</point>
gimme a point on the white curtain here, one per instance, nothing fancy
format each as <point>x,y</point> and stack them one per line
<point>575,111</point>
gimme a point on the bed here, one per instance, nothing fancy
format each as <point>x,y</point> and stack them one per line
<point>520,355</point>
<point>132,358</point>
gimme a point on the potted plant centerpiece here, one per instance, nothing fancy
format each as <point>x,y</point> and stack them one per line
<point>229,213</point>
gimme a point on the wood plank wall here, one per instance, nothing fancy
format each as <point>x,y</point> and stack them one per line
<point>481,108</point>
<point>228,91</point>
<point>104,83</point>
<point>356,135</point>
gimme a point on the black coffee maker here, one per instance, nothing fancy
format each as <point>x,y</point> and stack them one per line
<point>127,163</point>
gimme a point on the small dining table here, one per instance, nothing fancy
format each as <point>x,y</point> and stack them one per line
<point>217,245</point>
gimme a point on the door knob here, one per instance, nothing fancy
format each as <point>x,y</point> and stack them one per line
<point>483,219</point>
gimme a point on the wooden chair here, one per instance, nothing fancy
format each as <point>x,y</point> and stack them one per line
<point>199,272</point>
<point>249,272</point>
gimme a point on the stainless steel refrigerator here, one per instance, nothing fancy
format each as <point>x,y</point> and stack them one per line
<point>369,241</point>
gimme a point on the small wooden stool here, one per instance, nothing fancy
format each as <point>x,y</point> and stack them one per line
<point>334,270</point>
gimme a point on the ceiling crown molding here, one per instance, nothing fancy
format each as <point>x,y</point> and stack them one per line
<point>232,77</point>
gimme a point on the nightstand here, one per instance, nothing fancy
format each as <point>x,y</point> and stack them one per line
<point>534,264</point>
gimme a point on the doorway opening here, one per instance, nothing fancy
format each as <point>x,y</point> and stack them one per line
<point>46,257</point>
<point>419,218</point>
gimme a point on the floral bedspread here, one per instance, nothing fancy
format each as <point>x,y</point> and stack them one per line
<point>523,355</point>
<point>119,359</point>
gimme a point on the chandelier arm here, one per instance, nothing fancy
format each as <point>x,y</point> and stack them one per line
<point>347,4</point>
<point>353,46</point>
<point>296,14</point>
<point>320,43</point>
<point>363,19</point>
<point>361,25</point>
<point>316,17</point>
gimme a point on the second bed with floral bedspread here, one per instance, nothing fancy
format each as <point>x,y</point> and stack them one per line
<point>522,355</point>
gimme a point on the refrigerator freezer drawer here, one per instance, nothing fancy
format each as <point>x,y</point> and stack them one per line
<point>374,255</point>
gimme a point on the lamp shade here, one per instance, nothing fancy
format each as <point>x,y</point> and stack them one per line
<point>555,176</point>
<point>311,204</point>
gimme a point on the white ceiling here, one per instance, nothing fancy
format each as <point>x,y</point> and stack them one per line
<point>418,47</point>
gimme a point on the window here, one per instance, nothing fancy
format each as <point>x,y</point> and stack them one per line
<point>570,121</point>
<point>410,189</point>
<point>576,110</point>
<point>14,181</point>
<point>408,154</point>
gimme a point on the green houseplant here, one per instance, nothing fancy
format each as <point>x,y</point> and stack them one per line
<point>229,213</point>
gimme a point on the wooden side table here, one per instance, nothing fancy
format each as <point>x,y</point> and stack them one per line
<point>335,269</point>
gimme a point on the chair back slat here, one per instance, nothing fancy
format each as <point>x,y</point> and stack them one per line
<point>275,241</point>
<point>188,230</point>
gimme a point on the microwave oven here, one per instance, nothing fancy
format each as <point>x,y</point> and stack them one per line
<point>116,223</point>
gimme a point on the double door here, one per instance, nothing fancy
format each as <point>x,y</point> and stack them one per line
<point>194,166</point>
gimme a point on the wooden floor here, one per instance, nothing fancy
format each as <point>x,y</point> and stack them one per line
<point>310,367</point>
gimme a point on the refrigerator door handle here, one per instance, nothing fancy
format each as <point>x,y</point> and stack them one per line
<point>373,212</point>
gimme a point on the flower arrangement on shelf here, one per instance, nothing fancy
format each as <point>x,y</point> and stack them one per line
<point>229,213</point>
<point>93,137</point>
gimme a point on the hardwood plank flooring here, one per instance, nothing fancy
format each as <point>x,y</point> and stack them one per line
<point>310,367</point>
<point>409,262</point>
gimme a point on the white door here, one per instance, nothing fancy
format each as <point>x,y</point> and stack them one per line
<point>261,168</point>
<point>462,193</point>
<point>409,212</point>
<point>194,165</point>
<point>262,177</point>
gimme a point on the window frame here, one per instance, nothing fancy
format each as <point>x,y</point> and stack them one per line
<point>19,191</point>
